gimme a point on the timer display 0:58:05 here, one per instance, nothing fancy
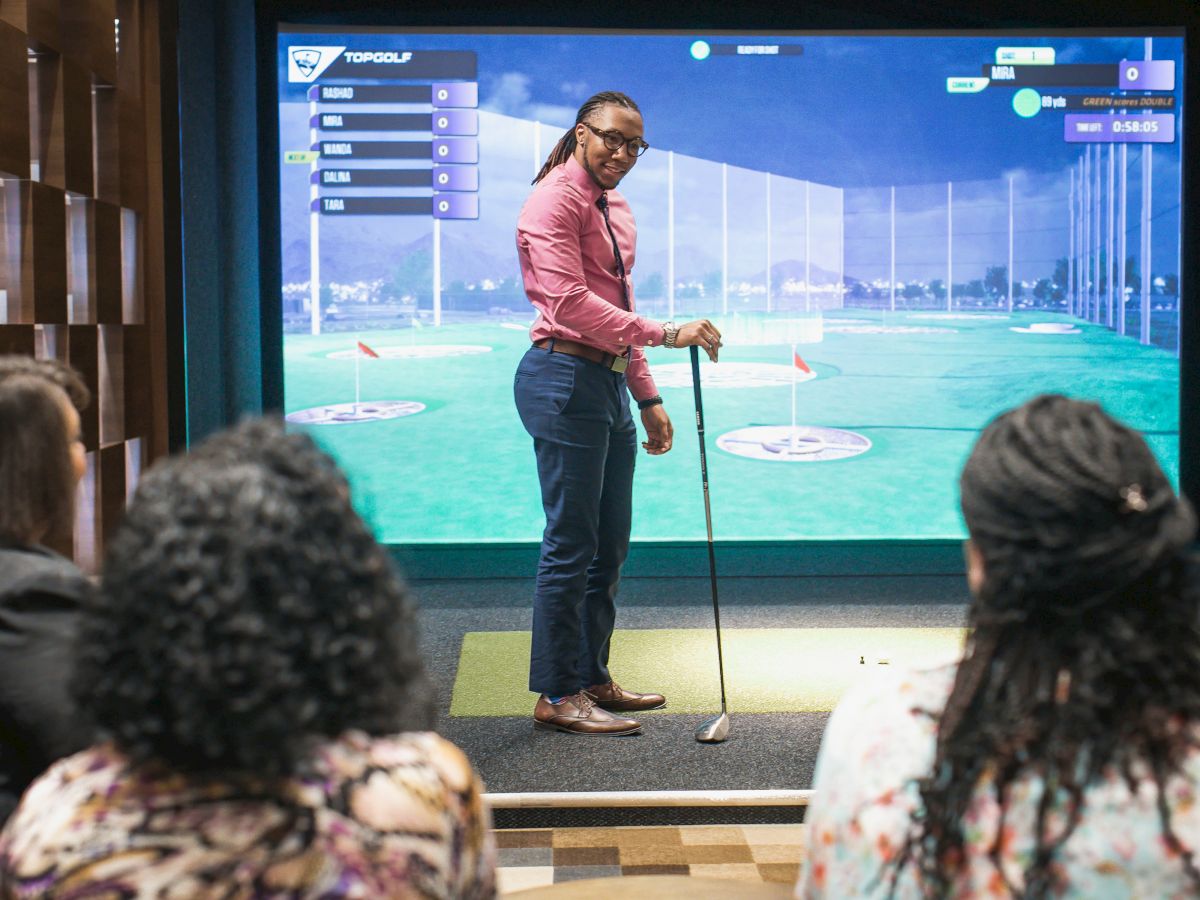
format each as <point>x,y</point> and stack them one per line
<point>1133,126</point>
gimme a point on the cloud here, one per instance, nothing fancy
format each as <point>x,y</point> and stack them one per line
<point>574,90</point>
<point>508,94</point>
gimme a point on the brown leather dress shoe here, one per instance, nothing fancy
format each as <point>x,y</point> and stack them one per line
<point>578,714</point>
<point>613,696</point>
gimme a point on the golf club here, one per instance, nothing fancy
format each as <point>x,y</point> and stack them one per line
<point>716,729</point>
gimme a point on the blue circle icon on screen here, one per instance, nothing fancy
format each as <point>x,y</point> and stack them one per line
<point>700,50</point>
<point>1027,103</point>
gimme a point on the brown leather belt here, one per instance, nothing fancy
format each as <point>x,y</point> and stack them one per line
<point>592,354</point>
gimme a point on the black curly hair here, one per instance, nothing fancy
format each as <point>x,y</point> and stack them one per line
<point>1085,653</point>
<point>245,610</point>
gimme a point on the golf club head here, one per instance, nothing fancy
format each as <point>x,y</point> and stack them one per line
<point>714,730</point>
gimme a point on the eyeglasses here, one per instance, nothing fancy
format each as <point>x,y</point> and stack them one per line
<point>614,141</point>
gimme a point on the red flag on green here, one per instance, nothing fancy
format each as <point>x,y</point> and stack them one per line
<point>363,348</point>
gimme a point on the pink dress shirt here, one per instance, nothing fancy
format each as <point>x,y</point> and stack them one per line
<point>570,272</point>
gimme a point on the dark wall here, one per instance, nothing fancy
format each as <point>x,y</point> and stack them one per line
<point>219,186</point>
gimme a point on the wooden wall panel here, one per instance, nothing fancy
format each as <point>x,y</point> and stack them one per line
<point>139,394</point>
<point>62,141</point>
<point>16,306</point>
<point>44,251</point>
<point>111,502</point>
<point>131,108</point>
<point>42,21</point>
<point>14,102</point>
<point>88,35</point>
<point>17,339</point>
<point>76,138</point>
<point>106,261</point>
<point>80,290</point>
<point>83,354</point>
<point>106,144</point>
<point>111,382</point>
<point>77,128</point>
<point>13,14</point>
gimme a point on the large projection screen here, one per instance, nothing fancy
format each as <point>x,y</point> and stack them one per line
<point>899,235</point>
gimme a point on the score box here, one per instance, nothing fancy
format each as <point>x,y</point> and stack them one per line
<point>1147,75</point>
<point>1082,128</point>
<point>456,206</point>
<point>455,121</point>
<point>455,150</point>
<point>455,94</point>
<point>455,178</point>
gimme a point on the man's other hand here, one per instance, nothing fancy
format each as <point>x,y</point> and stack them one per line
<point>659,431</point>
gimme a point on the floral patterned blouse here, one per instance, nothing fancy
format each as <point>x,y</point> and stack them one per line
<point>372,817</point>
<point>879,740</point>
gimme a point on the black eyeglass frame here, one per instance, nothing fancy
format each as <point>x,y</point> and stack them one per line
<point>635,146</point>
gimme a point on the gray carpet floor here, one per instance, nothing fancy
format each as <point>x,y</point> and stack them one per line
<point>764,751</point>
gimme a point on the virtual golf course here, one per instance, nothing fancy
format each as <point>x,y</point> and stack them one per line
<point>884,416</point>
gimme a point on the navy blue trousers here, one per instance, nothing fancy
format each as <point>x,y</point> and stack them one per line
<point>586,443</point>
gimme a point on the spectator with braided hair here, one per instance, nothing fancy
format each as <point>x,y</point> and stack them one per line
<point>1061,756</point>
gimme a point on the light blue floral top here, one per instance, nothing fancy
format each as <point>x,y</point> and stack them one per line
<point>879,740</point>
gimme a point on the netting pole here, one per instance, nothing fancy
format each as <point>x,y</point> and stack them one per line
<point>1121,237</point>
<point>725,238</point>
<point>1071,243</point>
<point>949,246</point>
<point>671,235</point>
<point>1010,244</point>
<point>1108,264</point>
<point>807,251</point>
<point>892,276</point>
<point>768,241</point>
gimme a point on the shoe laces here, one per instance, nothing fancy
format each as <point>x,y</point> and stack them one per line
<point>584,701</point>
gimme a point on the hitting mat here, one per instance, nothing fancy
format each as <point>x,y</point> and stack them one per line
<point>767,670</point>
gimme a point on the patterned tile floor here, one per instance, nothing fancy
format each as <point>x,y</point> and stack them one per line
<point>532,857</point>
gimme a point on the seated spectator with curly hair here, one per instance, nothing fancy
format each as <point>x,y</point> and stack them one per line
<point>41,461</point>
<point>1061,757</point>
<point>252,666</point>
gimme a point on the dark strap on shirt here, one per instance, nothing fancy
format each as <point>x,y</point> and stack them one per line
<point>602,202</point>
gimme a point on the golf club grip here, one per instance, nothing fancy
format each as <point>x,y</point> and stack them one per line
<point>696,388</point>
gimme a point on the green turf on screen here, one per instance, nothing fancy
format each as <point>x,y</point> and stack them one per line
<point>463,470</point>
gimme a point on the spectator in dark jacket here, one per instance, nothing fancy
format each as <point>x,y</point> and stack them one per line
<point>41,462</point>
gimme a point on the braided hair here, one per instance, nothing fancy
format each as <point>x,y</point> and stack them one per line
<point>1085,654</point>
<point>566,144</point>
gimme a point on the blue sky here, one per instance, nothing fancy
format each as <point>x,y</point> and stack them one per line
<point>851,111</point>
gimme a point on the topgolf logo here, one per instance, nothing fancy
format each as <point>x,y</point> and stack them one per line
<point>305,64</point>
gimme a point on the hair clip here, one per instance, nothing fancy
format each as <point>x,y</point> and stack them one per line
<point>1134,501</point>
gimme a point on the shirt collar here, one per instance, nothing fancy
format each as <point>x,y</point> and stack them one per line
<point>578,176</point>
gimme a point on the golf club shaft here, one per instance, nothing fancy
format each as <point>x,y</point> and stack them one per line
<point>712,559</point>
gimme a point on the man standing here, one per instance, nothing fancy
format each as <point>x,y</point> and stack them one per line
<point>576,241</point>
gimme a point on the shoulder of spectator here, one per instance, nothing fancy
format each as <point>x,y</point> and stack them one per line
<point>53,581</point>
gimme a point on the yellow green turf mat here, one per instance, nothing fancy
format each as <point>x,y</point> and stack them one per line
<point>767,670</point>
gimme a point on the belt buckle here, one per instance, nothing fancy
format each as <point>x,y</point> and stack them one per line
<point>619,364</point>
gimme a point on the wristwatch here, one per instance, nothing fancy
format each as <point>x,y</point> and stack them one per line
<point>670,332</point>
